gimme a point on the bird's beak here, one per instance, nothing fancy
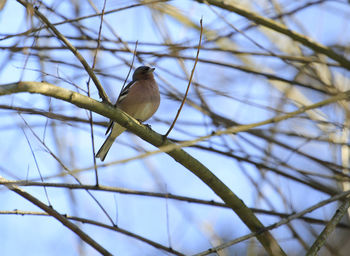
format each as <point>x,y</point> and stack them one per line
<point>151,70</point>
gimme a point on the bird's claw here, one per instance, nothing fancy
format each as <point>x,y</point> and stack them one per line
<point>148,126</point>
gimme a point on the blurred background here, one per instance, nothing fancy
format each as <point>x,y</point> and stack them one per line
<point>246,73</point>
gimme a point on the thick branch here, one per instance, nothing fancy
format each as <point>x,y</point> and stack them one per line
<point>178,154</point>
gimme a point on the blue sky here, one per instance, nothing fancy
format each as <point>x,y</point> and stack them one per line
<point>153,218</point>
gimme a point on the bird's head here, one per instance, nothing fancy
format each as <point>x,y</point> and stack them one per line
<point>142,73</point>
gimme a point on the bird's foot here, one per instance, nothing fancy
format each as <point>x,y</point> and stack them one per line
<point>148,126</point>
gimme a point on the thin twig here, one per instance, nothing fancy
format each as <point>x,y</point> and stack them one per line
<point>269,23</point>
<point>35,160</point>
<point>74,228</point>
<point>132,64</point>
<point>76,53</point>
<point>165,196</point>
<point>192,164</point>
<point>88,87</point>
<point>189,82</point>
<point>238,128</point>
<point>98,224</point>
<point>70,21</point>
<point>70,173</point>
<point>277,224</point>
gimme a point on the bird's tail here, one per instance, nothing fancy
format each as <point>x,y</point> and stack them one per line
<point>116,131</point>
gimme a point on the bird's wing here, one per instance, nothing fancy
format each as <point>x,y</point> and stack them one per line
<point>121,96</point>
<point>110,125</point>
<point>125,92</point>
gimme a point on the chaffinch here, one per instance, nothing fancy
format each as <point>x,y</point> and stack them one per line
<point>140,99</point>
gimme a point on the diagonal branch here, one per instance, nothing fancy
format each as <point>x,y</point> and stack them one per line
<point>340,196</point>
<point>321,239</point>
<point>85,237</point>
<point>77,54</point>
<point>317,47</point>
<point>189,81</point>
<point>178,154</point>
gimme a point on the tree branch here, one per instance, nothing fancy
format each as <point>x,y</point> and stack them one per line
<point>86,238</point>
<point>317,47</point>
<point>77,54</point>
<point>178,154</point>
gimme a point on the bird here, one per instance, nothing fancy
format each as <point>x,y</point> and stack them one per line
<point>140,99</point>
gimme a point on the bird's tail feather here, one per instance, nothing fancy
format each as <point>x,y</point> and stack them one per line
<point>116,131</point>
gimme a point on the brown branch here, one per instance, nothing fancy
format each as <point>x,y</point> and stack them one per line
<point>88,89</point>
<point>33,30</point>
<point>321,239</point>
<point>175,151</point>
<point>246,127</point>
<point>126,191</point>
<point>99,224</point>
<point>85,237</point>
<point>76,53</point>
<point>132,63</point>
<point>246,69</point>
<point>277,224</point>
<point>189,82</point>
<point>70,173</point>
<point>302,59</point>
<point>317,47</point>
<point>63,118</point>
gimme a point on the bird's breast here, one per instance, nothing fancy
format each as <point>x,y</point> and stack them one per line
<point>142,101</point>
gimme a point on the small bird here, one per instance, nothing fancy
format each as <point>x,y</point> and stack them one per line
<point>140,99</point>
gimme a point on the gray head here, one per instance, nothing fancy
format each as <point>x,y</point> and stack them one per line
<point>142,73</point>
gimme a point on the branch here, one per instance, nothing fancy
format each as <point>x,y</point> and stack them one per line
<point>235,128</point>
<point>189,81</point>
<point>284,221</point>
<point>76,53</point>
<point>317,47</point>
<point>58,217</point>
<point>321,239</point>
<point>100,224</point>
<point>167,196</point>
<point>178,154</point>
<point>246,127</point>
